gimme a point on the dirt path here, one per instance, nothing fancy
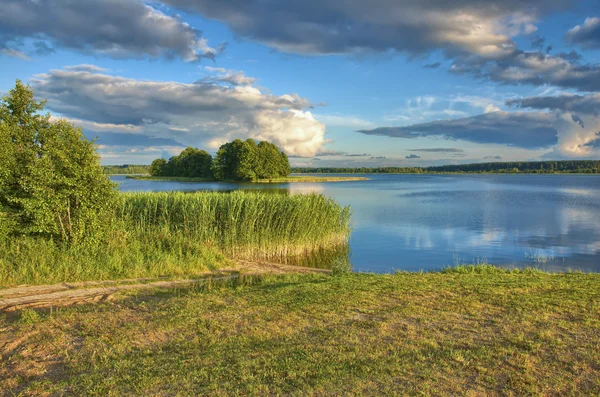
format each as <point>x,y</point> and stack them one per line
<point>96,291</point>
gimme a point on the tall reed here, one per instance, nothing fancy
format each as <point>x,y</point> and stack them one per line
<point>183,234</point>
<point>248,225</point>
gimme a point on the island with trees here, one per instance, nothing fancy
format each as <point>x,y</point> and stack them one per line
<point>235,161</point>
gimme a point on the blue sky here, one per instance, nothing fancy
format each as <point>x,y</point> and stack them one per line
<point>334,83</point>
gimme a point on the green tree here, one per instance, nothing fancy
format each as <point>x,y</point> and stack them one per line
<point>52,182</point>
<point>246,161</point>
<point>158,167</point>
<point>193,162</point>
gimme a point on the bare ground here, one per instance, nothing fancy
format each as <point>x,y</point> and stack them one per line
<point>37,296</point>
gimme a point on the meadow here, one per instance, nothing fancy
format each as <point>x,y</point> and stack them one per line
<point>179,234</point>
<point>471,330</point>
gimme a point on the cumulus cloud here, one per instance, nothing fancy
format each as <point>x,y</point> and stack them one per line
<point>413,156</point>
<point>526,130</point>
<point>115,28</point>
<point>586,35</point>
<point>232,77</point>
<point>581,121</point>
<point>203,114</point>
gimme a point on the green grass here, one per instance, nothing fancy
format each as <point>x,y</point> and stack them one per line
<point>169,178</point>
<point>469,331</point>
<point>182,234</point>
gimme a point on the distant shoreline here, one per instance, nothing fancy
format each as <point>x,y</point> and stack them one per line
<point>289,179</point>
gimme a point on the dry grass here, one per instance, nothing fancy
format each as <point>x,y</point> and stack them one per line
<point>458,333</point>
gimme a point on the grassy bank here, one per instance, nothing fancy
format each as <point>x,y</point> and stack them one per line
<point>182,234</point>
<point>475,331</point>
<point>168,178</point>
<point>289,179</point>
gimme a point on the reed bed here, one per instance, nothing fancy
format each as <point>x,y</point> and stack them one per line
<point>244,225</point>
<point>182,234</point>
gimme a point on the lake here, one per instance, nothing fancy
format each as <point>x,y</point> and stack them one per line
<point>427,222</point>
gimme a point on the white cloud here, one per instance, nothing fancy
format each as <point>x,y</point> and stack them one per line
<point>202,114</point>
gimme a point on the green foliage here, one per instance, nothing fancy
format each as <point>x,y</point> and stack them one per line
<point>182,234</point>
<point>30,317</point>
<point>521,167</point>
<point>158,167</point>
<point>126,169</point>
<point>246,161</point>
<point>51,180</point>
<point>190,163</point>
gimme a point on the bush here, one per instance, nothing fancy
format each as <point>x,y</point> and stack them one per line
<point>51,181</point>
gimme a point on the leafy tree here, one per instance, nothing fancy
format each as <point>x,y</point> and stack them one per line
<point>193,162</point>
<point>51,181</point>
<point>158,167</point>
<point>247,161</point>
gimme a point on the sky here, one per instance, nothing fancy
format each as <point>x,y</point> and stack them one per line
<point>334,83</point>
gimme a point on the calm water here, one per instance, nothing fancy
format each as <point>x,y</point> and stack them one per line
<point>426,222</point>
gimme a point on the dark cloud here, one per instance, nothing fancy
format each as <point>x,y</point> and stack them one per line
<point>330,152</point>
<point>358,26</point>
<point>42,48</point>
<point>595,143</point>
<point>438,150</point>
<point>586,35</point>
<point>537,41</point>
<point>524,130</point>
<point>578,120</point>
<point>378,158</point>
<point>413,156</point>
<point>115,28</point>
<point>434,65</point>
<point>358,155</point>
<point>536,68</point>
<point>492,158</point>
<point>584,104</point>
<point>126,139</point>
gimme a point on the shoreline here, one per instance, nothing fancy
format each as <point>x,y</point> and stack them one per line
<point>290,179</point>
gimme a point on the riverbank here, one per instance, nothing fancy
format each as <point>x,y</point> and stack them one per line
<point>481,330</point>
<point>179,234</point>
<point>289,179</point>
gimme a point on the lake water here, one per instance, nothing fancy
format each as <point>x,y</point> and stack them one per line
<point>427,222</point>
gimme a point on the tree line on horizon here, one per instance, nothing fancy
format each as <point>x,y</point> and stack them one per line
<point>531,167</point>
<point>235,161</point>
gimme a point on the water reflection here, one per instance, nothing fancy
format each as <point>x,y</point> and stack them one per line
<point>414,222</point>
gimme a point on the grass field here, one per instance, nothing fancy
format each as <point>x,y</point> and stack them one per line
<point>182,234</point>
<point>471,331</point>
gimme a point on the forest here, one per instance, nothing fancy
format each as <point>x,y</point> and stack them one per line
<point>525,167</point>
